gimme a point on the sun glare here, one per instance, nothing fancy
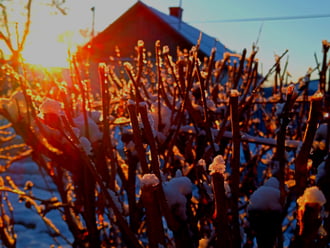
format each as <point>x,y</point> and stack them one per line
<point>47,54</point>
<point>51,51</point>
<point>50,39</point>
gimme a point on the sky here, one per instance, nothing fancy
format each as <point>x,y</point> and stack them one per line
<point>237,24</point>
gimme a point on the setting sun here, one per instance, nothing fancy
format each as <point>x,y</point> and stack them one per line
<point>48,54</point>
<point>51,36</point>
<point>51,50</point>
<point>50,40</point>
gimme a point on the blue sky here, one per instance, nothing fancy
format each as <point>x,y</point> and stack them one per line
<point>302,37</point>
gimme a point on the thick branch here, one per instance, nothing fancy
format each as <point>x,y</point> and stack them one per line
<point>301,173</point>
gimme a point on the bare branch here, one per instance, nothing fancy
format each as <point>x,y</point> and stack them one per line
<point>58,6</point>
<point>27,26</point>
<point>5,20</point>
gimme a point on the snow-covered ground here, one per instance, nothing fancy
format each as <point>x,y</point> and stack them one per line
<point>31,230</point>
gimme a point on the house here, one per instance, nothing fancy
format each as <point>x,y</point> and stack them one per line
<point>142,22</point>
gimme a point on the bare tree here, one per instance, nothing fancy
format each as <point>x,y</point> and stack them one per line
<point>6,33</point>
<point>13,38</point>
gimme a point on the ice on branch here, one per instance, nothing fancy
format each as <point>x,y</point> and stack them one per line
<point>218,165</point>
<point>266,197</point>
<point>149,180</point>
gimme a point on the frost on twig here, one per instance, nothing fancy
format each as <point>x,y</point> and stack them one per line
<point>30,201</point>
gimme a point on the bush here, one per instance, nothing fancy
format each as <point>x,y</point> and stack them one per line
<point>169,153</point>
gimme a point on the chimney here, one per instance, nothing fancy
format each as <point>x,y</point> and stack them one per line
<point>176,12</point>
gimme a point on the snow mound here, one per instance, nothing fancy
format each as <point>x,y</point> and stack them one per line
<point>266,197</point>
<point>50,106</point>
<point>149,180</point>
<point>176,191</point>
<point>272,182</point>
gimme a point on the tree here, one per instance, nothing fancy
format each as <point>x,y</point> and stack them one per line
<point>9,36</point>
<point>14,38</point>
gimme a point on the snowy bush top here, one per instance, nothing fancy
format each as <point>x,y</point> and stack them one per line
<point>143,104</point>
<point>203,243</point>
<point>182,184</point>
<point>317,96</point>
<point>188,129</point>
<point>202,163</point>
<point>311,195</point>
<point>50,106</point>
<point>176,191</point>
<point>266,197</point>
<point>234,93</point>
<point>211,105</point>
<point>165,113</point>
<point>272,182</point>
<point>130,102</point>
<point>218,165</point>
<point>95,115</point>
<point>149,180</point>
<point>291,89</point>
<point>93,129</point>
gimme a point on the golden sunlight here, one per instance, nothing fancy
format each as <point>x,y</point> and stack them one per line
<point>49,50</point>
<point>51,38</point>
<point>46,53</point>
